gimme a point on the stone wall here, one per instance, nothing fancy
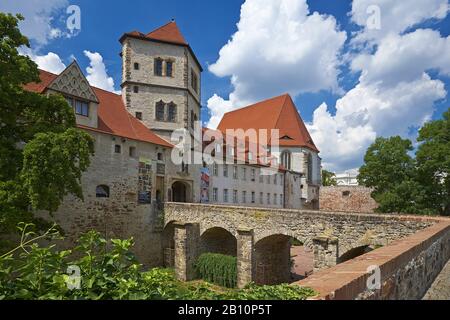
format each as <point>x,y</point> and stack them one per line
<point>347,199</point>
<point>120,215</point>
<point>407,268</point>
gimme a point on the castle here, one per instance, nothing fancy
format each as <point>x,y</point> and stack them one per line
<point>132,173</point>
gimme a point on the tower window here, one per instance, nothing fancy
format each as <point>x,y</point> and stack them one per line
<point>158,67</point>
<point>160,156</point>
<point>160,111</point>
<point>117,148</point>
<point>102,191</point>
<point>132,152</point>
<point>172,112</point>
<point>194,80</point>
<point>169,68</point>
<point>136,89</point>
<point>136,66</point>
<point>139,115</point>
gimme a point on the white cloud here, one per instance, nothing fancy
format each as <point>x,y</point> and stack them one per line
<point>279,47</point>
<point>96,72</point>
<point>39,17</point>
<point>50,62</point>
<point>396,16</point>
<point>395,92</point>
<point>368,111</point>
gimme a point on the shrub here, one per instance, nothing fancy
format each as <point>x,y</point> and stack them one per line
<point>217,268</point>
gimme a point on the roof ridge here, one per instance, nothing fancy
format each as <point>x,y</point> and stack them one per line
<point>163,26</point>
<point>256,103</point>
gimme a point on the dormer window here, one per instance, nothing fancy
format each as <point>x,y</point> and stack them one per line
<point>81,107</point>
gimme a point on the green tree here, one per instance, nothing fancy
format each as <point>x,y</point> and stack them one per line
<point>328,178</point>
<point>390,171</point>
<point>433,163</point>
<point>42,154</point>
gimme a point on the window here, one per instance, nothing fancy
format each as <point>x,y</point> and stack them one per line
<point>281,179</point>
<point>244,174</point>
<point>81,108</point>
<point>310,168</point>
<point>253,197</point>
<point>139,115</point>
<point>160,156</point>
<point>286,159</point>
<point>275,198</point>
<point>225,170</point>
<point>244,196</point>
<point>215,192</point>
<point>160,111</point>
<point>172,112</point>
<point>261,198</point>
<point>346,193</point>
<point>253,175</point>
<point>117,148</point>
<point>235,172</point>
<point>225,195</point>
<point>158,67</point>
<point>192,119</point>
<point>268,198</point>
<point>136,89</point>
<point>136,66</point>
<point>169,68</point>
<point>235,196</point>
<point>102,191</point>
<point>132,152</point>
<point>281,200</point>
<point>268,179</point>
<point>275,176</point>
<point>194,80</point>
<point>215,169</point>
<point>261,178</point>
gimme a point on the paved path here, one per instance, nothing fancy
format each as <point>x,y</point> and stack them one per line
<point>440,289</point>
<point>303,261</point>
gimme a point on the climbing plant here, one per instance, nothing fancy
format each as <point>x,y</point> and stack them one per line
<point>218,268</point>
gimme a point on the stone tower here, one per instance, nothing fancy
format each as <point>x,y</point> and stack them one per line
<point>161,81</point>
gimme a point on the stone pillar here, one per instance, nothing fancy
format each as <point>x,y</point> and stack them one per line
<point>186,237</point>
<point>245,257</point>
<point>325,252</point>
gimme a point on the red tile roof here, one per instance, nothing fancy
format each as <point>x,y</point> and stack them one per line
<point>169,33</point>
<point>275,113</point>
<point>113,118</point>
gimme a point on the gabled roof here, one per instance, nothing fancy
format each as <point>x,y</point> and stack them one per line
<point>113,118</point>
<point>275,113</point>
<point>168,33</point>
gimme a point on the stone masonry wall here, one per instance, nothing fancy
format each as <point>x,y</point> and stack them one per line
<point>347,199</point>
<point>407,268</point>
<point>352,230</point>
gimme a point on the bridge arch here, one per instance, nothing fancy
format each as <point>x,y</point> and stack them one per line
<point>218,240</point>
<point>354,252</point>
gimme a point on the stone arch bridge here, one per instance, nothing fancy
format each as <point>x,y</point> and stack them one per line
<point>261,238</point>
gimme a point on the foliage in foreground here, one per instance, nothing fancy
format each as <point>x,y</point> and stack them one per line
<point>217,268</point>
<point>108,271</point>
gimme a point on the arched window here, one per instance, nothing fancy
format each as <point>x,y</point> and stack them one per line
<point>310,168</point>
<point>286,159</point>
<point>172,112</point>
<point>159,111</point>
<point>102,191</point>
<point>158,67</point>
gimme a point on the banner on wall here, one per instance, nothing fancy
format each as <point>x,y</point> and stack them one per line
<point>145,181</point>
<point>204,185</point>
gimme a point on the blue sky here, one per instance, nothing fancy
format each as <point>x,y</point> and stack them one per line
<point>354,77</point>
